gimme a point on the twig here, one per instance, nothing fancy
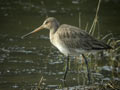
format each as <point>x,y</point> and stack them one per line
<point>39,84</point>
<point>79,20</point>
<point>92,29</point>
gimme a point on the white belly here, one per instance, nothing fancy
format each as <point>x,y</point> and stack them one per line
<point>62,48</point>
<point>65,50</point>
<point>54,39</point>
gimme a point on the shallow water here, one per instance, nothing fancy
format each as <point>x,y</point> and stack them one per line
<point>24,61</point>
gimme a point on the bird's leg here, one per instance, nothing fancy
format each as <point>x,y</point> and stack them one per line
<point>67,68</point>
<point>88,71</point>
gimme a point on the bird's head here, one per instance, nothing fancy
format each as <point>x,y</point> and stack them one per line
<point>50,23</point>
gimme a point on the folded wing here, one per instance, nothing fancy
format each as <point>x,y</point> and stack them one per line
<point>76,38</point>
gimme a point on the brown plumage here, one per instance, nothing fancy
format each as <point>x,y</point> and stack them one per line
<point>74,37</point>
<point>70,40</point>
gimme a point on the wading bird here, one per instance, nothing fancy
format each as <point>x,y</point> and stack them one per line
<point>70,40</point>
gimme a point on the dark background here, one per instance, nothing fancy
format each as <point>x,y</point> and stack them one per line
<point>24,61</point>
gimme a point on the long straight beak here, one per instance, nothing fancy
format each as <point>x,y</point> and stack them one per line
<point>36,30</point>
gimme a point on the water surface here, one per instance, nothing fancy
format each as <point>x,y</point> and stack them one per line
<point>24,61</point>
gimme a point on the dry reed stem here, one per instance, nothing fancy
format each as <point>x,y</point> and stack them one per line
<point>92,29</point>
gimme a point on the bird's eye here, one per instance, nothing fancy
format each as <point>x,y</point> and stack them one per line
<point>47,22</point>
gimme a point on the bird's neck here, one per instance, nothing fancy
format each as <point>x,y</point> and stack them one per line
<point>54,29</point>
<point>52,32</point>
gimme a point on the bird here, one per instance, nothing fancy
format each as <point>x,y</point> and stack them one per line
<point>71,40</point>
